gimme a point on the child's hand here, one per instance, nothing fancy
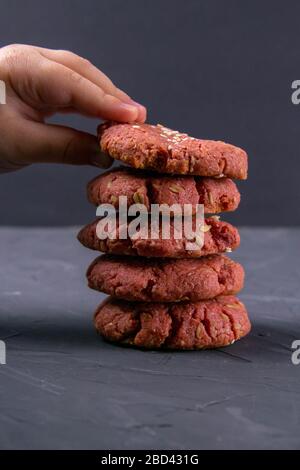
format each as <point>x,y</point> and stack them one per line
<point>41,82</point>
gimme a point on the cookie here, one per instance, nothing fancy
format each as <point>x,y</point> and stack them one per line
<point>219,237</point>
<point>158,148</point>
<point>217,195</point>
<point>165,280</point>
<point>186,325</point>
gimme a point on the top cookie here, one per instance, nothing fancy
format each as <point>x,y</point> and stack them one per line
<point>158,148</point>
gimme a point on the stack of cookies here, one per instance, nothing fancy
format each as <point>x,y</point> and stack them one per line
<point>163,294</point>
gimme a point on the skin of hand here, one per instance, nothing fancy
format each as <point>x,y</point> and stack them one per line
<point>42,82</point>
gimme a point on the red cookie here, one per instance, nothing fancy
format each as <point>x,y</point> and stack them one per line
<point>165,280</point>
<point>217,195</point>
<point>186,325</point>
<point>219,237</point>
<point>158,148</point>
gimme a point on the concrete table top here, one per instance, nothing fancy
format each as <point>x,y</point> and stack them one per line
<point>64,388</point>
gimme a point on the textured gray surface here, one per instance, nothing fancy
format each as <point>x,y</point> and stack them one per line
<point>64,388</point>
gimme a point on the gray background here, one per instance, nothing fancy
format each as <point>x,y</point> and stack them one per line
<point>212,68</point>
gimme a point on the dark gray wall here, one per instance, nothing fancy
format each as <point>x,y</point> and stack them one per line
<point>216,69</point>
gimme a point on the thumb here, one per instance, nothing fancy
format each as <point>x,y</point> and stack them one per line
<point>48,143</point>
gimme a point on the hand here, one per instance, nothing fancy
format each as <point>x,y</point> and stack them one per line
<point>41,82</point>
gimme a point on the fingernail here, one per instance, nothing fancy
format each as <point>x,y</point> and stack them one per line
<point>135,102</point>
<point>100,159</point>
<point>134,110</point>
<point>139,105</point>
<point>142,110</point>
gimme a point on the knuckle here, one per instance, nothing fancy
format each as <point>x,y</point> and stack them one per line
<point>66,54</point>
<point>46,68</point>
<point>15,55</point>
<point>64,51</point>
<point>75,77</point>
<point>112,89</point>
<point>117,92</point>
<point>86,62</point>
<point>12,47</point>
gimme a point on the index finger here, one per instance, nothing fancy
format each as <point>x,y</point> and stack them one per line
<point>50,84</point>
<point>85,68</point>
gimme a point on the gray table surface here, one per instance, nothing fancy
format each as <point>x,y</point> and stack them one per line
<point>65,388</point>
